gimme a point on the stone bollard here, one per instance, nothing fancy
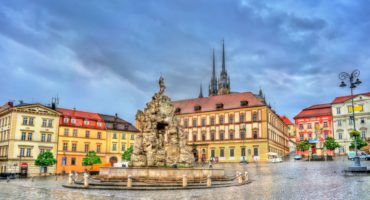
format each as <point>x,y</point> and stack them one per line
<point>240,178</point>
<point>209,181</point>
<point>70,179</point>
<point>76,176</point>
<point>184,181</point>
<point>129,181</point>
<point>86,180</point>
<point>246,177</point>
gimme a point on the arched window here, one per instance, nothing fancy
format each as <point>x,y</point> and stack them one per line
<point>231,118</point>
<point>194,137</point>
<point>221,119</point>
<point>242,134</point>
<point>241,118</point>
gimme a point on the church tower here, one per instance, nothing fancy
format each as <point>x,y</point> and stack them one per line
<point>224,80</point>
<point>213,83</point>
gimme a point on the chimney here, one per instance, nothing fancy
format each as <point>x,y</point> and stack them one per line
<point>10,104</point>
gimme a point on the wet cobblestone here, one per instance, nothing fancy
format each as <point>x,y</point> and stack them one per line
<point>287,180</point>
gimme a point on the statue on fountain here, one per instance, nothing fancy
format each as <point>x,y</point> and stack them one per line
<point>161,141</point>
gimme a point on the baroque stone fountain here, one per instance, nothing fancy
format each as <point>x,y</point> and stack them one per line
<point>161,159</point>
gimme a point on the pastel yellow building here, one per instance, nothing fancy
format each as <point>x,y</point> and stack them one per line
<point>232,127</point>
<point>26,130</point>
<point>79,133</point>
<point>120,136</point>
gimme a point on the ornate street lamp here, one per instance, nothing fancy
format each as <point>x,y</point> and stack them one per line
<point>354,82</point>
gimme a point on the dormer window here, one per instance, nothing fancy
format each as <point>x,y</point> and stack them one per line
<point>243,103</point>
<point>219,105</point>
<point>66,120</point>
<point>99,124</point>
<point>177,110</point>
<point>73,120</point>
<point>197,108</point>
<point>86,122</point>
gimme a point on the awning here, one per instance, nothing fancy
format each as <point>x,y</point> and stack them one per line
<point>312,141</point>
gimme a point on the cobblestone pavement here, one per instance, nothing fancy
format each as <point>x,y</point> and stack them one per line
<point>287,180</point>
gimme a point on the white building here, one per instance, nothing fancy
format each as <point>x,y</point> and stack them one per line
<point>343,122</point>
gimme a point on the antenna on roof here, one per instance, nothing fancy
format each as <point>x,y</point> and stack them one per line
<point>54,102</point>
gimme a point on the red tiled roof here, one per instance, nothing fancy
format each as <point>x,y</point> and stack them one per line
<point>229,101</point>
<point>286,120</point>
<point>80,114</point>
<point>343,99</point>
<point>315,110</point>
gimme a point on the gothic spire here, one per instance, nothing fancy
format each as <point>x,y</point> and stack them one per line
<point>200,92</point>
<point>224,80</point>
<point>223,57</point>
<point>213,83</point>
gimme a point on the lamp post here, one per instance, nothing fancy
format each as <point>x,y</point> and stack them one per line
<point>354,82</point>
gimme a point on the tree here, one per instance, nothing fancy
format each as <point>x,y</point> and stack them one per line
<point>126,155</point>
<point>331,144</point>
<point>91,159</point>
<point>303,145</point>
<point>360,143</point>
<point>45,159</point>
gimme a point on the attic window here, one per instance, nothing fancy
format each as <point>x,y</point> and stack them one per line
<point>177,110</point>
<point>197,108</point>
<point>219,105</point>
<point>243,103</point>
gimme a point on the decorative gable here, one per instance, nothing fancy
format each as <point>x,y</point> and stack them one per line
<point>37,109</point>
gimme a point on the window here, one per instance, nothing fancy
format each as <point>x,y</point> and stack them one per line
<point>74,132</point>
<point>339,122</point>
<point>65,146</point>
<point>50,123</point>
<point>326,135</point>
<point>243,151</point>
<point>212,121</point>
<point>99,135</point>
<point>231,119</point>
<point>363,134</point>
<point>66,130</point>
<point>221,119</point>
<point>254,117</point>
<point>231,135</point>
<point>73,161</point>
<point>123,147</point>
<point>23,136</point>
<point>98,148</point>
<point>241,118</point>
<point>212,135</point>
<point>242,134</point>
<point>194,137</point>
<point>86,122</point>
<point>86,148</point>
<point>203,122</point>
<point>301,137</point>
<point>325,124</point>
<point>123,136</point>
<point>203,136</point>
<point>194,122</point>
<point>87,134</point>
<point>73,120</point>
<point>29,137</point>
<point>255,150</point>
<point>231,152</point>
<point>338,111</point>
<point>31,121</point>
<point>21,153</point>
<point>114,135</point>
<point>42,151</point>
<point>309,125</point>
<point>44,122</point>
<point>186,123</point>
<point>212,153</point>
<point>300,126</point>
<point>132,137</point>
<point>28,152</point>
<point>114,146</point>
<point>25,121</point>
<point>49,137</point>
<point>43,137</point>
<point>340,136</point>
<point>99,124</point>
<point>66,120</point>
<point>362,120</point>
<point>255,134</point>
<point>221,135</point>
<point>74,147</point>
<point>222,153</point>
<point>309,135</point>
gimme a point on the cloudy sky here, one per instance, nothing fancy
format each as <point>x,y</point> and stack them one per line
<point>106,56</point>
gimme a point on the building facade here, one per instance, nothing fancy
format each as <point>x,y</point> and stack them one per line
<point>120,136</point>
<point>79,133</point>
<point>232,127</point>
<point>343,121</point>
<point>291,133</point>
<point>26,130</point>
<point>315,125</point>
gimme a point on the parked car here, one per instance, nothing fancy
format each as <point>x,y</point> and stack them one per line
<point>274,157</point>
<point>297,157</point>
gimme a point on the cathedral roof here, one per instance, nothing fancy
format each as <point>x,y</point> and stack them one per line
<point>207,104</point>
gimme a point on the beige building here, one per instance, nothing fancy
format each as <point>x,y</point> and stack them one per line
<point>26,130</point>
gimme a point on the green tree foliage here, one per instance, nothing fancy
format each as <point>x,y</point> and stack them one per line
<point>360,143</point>
<point>355,133</point>
<point>45,159</point>
<point>303,145</point>
<point>126,155</point>
<point>91,159</point>
<point>331,144</point>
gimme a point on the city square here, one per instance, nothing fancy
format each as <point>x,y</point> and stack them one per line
<point>240,99</point>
